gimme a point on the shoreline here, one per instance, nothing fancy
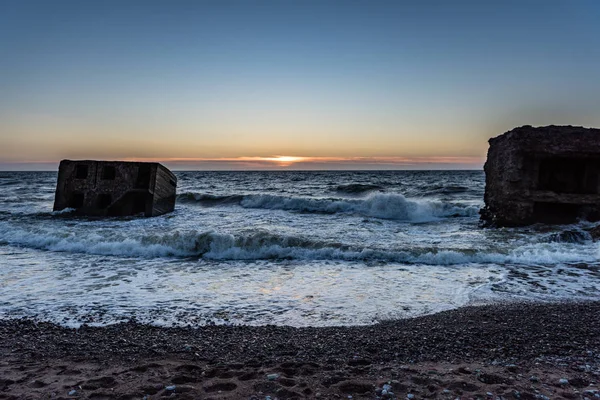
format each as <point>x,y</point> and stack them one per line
<point>467,352</point>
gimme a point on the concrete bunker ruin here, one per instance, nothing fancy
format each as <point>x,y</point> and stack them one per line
<point>115,188</point>
<point>546,174</point>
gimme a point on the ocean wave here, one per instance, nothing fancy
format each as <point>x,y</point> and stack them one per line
<point>24,200</point>
<point>377,205</point>
<point>64,211</point>
<point>357,188</point>
<point>264,245</point>
<point>444,191</point>
<point>448,189</point>
<point>208,200</point>
<point>11,182</point>
<point>570,236</point>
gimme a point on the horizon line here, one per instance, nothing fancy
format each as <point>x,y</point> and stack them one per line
<point>276,163</point>
<point>280,170</point>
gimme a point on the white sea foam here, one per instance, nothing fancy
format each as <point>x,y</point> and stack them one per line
<point>67,210</point>
<point>264,245</point>
<point>331,252</point>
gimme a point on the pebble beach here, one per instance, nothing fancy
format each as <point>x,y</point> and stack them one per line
<point>502,351</point>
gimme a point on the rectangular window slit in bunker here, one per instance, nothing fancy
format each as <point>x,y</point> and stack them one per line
<point>81,172</point>
<point>172,182</point>
<point>103,201</point>
<point>76,200</point>
<point>568,175</point>
<point>109,173</point>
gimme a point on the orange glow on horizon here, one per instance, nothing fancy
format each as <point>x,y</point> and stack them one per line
<point>306,161</point>
<point>279,162</point>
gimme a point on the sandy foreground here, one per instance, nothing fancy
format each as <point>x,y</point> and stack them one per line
<point>513,351</point>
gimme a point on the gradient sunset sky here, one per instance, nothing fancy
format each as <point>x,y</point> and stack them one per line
<point>289,84</point>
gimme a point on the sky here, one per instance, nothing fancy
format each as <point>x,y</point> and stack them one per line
<point>289,84</point>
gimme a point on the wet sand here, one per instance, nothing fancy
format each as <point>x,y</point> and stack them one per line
<point>523,351</point>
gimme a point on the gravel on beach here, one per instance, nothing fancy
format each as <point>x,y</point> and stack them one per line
<point>515,350</point>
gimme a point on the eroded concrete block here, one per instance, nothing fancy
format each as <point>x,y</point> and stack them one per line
<point>115,188</point>
<point>545,174</point>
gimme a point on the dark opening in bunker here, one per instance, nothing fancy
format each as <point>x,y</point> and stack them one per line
<point>81,171</point>
<point>76,200</point>
<point>109,173</point>
<point>139,203</point>
<point>143,178</point>
<point>569,175</point>
<point>557,213</point>
<point>103,201</point>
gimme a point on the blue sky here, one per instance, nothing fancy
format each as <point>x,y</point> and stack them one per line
<point>205,84</point>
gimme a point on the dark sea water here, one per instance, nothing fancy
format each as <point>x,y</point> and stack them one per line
<point>287,248</point>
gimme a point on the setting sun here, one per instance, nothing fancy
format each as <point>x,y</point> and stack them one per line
<point>285,161</point>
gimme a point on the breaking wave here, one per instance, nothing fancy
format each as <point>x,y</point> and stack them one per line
<point>377,205</point>
<point>264,246</point>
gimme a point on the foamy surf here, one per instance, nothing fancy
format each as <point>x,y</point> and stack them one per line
<point>297,248</point>
<point>264,245</point>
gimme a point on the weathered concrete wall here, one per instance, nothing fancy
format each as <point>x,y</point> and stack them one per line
<point>545,174</point>
<point>165,184</point>
<point>114,188</point>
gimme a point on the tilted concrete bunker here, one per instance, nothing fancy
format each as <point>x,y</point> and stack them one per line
<point>115,188</point>
<point>545,174</point>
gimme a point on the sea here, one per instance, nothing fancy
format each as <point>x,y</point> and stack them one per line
<point>282,248</point>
